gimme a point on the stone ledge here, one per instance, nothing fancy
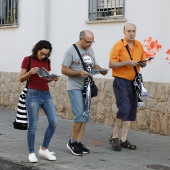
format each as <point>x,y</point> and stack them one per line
<point>153,118</point>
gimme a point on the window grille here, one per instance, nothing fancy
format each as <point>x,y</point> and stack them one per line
<point>106,9</point>
<point>8,12</point>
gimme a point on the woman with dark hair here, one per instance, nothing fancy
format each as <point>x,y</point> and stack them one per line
<point>38,96</point>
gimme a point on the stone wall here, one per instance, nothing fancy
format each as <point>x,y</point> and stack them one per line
<point>153,118</point>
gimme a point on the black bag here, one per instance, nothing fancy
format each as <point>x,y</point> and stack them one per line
<point>94,90</point>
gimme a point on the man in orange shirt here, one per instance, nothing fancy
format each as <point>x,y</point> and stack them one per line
<point>124,74</point>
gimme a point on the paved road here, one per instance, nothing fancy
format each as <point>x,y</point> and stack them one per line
<point>153,150</point>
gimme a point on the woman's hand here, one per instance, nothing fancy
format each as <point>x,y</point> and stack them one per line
<point>55,79</point>
<point>131,63</point>
<point>34,70</point>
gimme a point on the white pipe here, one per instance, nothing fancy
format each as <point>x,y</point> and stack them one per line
<point>43,20</point>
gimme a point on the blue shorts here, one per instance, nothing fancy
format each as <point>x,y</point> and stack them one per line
<point>126,99</point>
<point>77,105</point>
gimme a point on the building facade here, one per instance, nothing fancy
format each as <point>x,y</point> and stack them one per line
<point>60,22</point>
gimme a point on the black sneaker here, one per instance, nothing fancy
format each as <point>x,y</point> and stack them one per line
<point>74,148</point>
<point>83,148</point>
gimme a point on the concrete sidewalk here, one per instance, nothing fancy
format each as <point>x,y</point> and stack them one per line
<point>153,151</point>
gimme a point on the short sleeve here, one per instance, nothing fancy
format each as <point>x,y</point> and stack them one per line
<point>24,64</point>
<point>115,53</point>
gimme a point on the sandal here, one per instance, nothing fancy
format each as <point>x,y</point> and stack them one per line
<point>127,145</point>
<point>115,143</point>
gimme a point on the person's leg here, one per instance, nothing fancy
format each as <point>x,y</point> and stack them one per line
<point>77,106</point>
<point>121,91</point>
<point>131,117</point>
<point>125,130</point>
<point>120,87</point>
<point>124,142</point>
<point>76,126</point>
<point>50,111</point>
<point>79,139</point>
<point>117,126</point>
<point>33,105</point>
<point>133,103</point>
<point>81,132</point>
<point>114,140</point>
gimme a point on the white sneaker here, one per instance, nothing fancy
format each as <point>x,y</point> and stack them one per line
<point>49,155</point>
<point>32,157</point>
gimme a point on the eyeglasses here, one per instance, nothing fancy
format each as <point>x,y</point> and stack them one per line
<point>131,31</point>
<point>89,42</point>
<point>45,55</point>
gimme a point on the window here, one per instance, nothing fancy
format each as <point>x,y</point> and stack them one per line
<point>106,9</point>
<point>8,12</point>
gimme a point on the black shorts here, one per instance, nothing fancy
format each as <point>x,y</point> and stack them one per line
<point>126,99</point>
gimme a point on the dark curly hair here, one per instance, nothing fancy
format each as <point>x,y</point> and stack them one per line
<point>40,45</point>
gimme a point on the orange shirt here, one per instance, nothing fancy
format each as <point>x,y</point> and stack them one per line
<point>119,53</point>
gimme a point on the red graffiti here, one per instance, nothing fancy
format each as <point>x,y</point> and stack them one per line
<point>152,47</point>
<point>168,52</point>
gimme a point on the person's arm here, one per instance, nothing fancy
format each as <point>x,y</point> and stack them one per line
<point>69,72</point>
<point>142,63</point>
<point>97,67</point>
<point>117,64</point>
<point>24,75</point>
<point>53,79</point>
<point>130,63</point>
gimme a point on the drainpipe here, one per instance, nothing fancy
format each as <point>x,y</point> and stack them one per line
<point>43,20</point>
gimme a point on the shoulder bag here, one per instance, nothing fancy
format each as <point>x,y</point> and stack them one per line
<point>138,83</point>
<point>94,89</point>
<point>21,120</point>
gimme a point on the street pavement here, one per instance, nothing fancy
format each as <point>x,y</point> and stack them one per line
<point>153,151</point>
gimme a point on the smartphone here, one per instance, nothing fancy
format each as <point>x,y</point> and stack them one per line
<point>148,59</point>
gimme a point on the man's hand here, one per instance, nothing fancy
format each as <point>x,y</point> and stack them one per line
<point>142,63</point>
<point>84,74</point>
<point>104,72</point>
<point>131,63</point>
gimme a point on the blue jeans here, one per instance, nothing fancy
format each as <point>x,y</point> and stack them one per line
<point>36,99</point>
<point>77,105</point>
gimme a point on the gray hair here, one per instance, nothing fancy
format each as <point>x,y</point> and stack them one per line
<point>82,34</point>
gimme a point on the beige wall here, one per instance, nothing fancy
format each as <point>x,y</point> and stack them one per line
<point>153,118</point>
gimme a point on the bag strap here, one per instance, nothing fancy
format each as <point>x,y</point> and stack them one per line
<point>84,67</point>
<point>29,63</point>
<point>48,64</point>
<point>130,57</point>
<point>28,68</point>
